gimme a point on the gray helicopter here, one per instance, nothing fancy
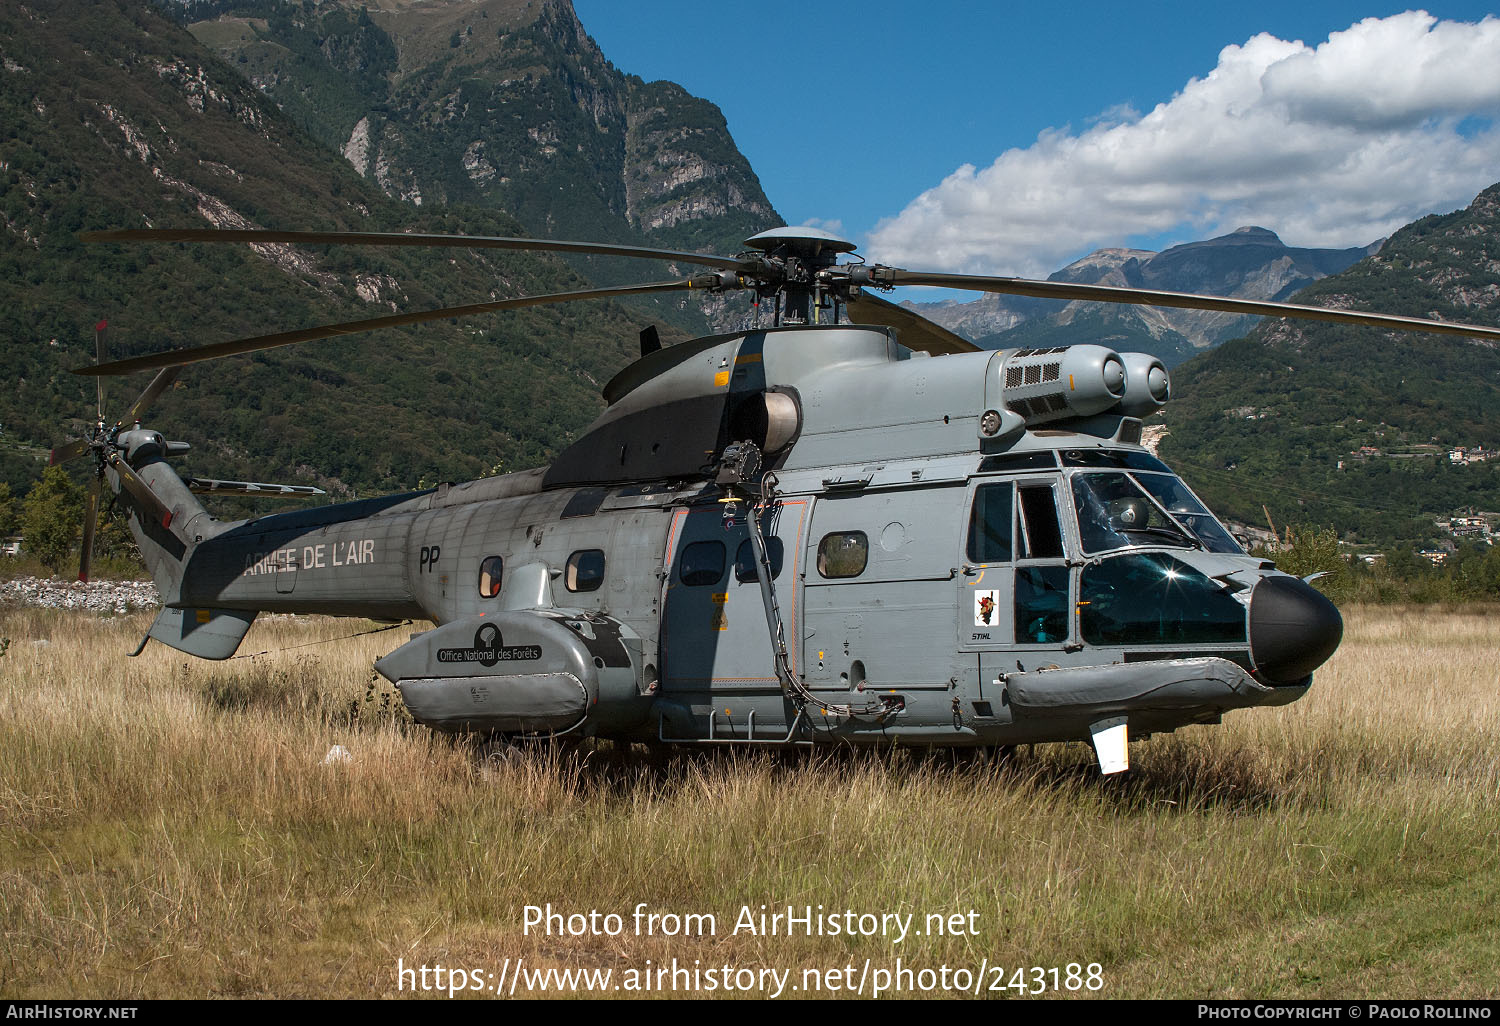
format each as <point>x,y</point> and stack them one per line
<point>847,526</point>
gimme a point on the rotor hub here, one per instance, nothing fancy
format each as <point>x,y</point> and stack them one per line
<point>800,264</point>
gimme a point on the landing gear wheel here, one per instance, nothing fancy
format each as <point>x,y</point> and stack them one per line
<point>493,751</point>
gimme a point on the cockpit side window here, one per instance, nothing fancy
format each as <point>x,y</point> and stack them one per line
<point>990,523</point>
<point>1042,538</point>
<point>1041,605</point>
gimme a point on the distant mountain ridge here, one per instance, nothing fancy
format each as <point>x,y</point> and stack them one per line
<point>1248,263</point>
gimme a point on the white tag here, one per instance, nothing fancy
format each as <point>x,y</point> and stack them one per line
<point>1111,745</point>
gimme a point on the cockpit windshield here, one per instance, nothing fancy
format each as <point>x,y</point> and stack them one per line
<point>1189,512</point>
<point>1117,510</point>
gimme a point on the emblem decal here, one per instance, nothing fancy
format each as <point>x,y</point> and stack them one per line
<point>984,607</point>
<point>489,649</point>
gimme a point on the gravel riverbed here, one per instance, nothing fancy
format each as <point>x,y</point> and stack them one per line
<point>95,596</point>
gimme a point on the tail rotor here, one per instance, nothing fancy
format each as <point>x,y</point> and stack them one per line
<point>102,443</point>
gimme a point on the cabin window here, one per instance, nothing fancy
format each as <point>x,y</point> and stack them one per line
<point>701,563</point>
<point>1155,599</point>
<point>1042,535</point>
<point>490,572</point>
<point>745,570</point>
<point>990,524</point>
<point>584,503</point>
<point>585,571</point>
<point>843,554</point>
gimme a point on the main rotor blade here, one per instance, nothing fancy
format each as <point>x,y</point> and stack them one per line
<point>159,384</point>
<point>258,489</point>
<point>250,345</point>
<point>90,522</point>
<point>917,332</point>
<point>1182,300</point>
<point>261,235</point>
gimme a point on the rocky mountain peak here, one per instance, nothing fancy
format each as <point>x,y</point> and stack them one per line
<point>1250,234</point>
<point>1250,262</point>
<point>1104,267</point>
<point>507,104</point>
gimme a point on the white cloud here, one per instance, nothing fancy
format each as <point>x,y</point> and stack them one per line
<point>1333,146</point>
<point>832,227</point>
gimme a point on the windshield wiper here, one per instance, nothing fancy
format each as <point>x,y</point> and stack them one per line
<point>1191,540</point>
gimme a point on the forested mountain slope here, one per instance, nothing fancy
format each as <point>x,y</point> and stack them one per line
<point>113,116</point>
<point>1279,418</point>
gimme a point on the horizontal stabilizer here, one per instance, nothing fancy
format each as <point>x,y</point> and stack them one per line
<point>207,486</point>
<point>205,633</point>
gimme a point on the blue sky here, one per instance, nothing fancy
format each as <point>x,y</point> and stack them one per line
<point>999,138</point>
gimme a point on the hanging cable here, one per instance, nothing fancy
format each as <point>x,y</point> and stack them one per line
<point>325,641</point>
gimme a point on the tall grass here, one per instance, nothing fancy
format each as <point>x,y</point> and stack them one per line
<point>170,827</point>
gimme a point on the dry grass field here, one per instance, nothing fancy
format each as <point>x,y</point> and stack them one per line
<point>169,828</point>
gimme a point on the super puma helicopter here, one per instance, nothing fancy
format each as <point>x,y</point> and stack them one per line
<point>851,526</point>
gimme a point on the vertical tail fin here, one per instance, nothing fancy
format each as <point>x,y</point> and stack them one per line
<point>166,519</point>
<point>168,523</point>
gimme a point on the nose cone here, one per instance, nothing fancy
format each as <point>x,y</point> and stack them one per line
<point>1293,629</point>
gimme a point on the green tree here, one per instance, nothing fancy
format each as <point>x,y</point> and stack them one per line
<point>115,550</point>
<point>51,517</point>
<point>10,520</point>
<point>1309,550</point>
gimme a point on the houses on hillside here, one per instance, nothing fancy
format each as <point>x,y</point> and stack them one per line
<point>1463,457</point>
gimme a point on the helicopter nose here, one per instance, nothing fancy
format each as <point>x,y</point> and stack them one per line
<point>1293,629</point>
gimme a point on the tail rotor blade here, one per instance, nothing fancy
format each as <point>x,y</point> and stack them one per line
<point>90,523</point>
<point>99,330</point>
<point>142,493</point>
<point>159,384</point>
<point>71,451</point>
